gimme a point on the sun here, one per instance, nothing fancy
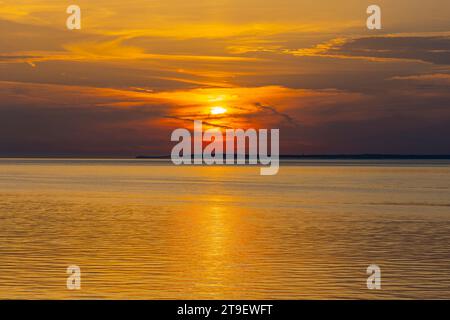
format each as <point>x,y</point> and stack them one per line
<point>218,110</point>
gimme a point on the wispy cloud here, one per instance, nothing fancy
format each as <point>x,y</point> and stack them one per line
<point>432,79</point>
<point>428,49</point>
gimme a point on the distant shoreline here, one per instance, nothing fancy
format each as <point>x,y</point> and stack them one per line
<point>282,157</point>
<point>343,157</point>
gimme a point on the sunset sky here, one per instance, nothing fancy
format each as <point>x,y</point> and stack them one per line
<point>139,69</point>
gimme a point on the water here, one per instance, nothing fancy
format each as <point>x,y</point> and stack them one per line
<point>143,229</point>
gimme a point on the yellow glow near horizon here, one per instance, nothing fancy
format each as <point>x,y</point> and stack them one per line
<point>218,110</point>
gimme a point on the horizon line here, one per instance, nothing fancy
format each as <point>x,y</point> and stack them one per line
<point>350,156</point>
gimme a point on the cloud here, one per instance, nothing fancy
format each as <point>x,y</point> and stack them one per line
<point>112,50</point>
<point>429,49</point>
<point>61,118</point>
<point>436,79</point>
<point>274,111</point>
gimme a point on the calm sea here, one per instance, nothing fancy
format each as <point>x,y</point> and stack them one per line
<point>144,229</point>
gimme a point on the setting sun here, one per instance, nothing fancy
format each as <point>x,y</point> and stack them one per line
<point>218,110</point>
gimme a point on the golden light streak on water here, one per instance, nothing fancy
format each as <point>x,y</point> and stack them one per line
<point>149,230</point>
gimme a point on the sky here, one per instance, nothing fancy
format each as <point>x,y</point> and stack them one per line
<point>139,69</point>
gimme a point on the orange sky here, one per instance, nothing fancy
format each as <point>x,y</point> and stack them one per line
<point>137,70</point>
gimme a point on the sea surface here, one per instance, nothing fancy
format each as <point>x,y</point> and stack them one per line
<point>145,229</point>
